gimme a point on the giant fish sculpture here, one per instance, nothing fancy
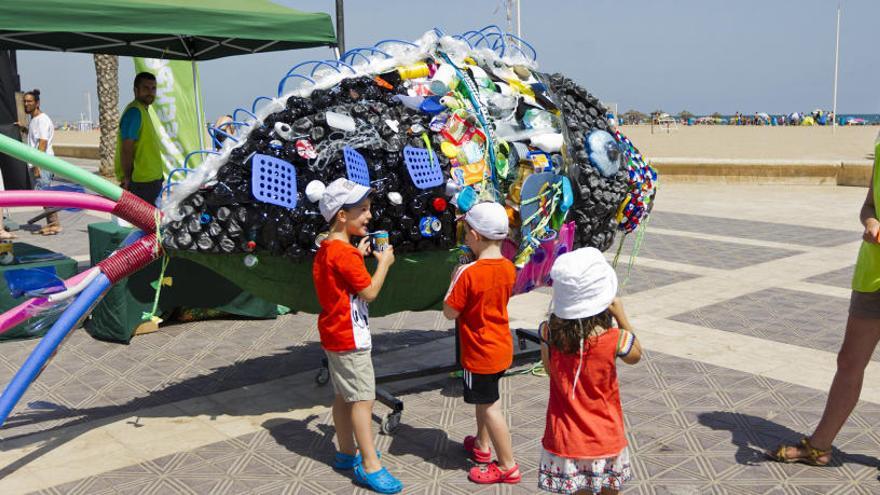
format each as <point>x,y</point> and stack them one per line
<point>433,127</point>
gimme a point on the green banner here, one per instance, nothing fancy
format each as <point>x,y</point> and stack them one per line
<point>173,113</point>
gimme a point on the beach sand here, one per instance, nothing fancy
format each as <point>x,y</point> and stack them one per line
<point>721,142</point>
<point>755,142</point>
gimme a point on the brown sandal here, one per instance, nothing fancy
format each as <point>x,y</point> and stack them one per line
<point>811,457</point>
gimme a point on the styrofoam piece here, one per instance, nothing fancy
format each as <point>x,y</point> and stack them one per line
<point>273,181</point>
<point>340,121</point>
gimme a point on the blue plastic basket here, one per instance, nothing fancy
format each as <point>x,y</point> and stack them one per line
<point>273,181</point>
<point>356,166</point>
<point>423,170</point>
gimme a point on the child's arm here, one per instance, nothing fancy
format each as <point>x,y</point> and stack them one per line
<point>619,315</point>
<point>545,349</point>
<point>456,295</point>
<point>386,259</point>
<point>635,353</point>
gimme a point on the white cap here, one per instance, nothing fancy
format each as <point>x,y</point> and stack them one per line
<point>340,193</point>
<point>489,220</point>
<point>584,284</point>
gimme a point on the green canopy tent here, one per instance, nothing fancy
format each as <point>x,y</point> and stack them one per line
<point>167,29</point>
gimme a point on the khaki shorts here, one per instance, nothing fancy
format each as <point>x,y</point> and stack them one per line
<point>865,305</point>
<point>352,374</point>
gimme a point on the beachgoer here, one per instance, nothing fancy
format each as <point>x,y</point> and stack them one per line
<point>585,447</point>
<point>477,299</point>
<point>344,288</point>
<point>41,134</point>
<point>859,341</point>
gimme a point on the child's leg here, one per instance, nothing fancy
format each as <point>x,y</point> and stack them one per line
<point>362,420</point>
<point>344,428</point>
<point>496,425</point>
<point>482,442</point>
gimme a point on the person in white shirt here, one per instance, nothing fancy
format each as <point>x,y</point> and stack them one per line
<point>41,133</point>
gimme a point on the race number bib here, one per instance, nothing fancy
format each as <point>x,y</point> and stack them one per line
<point>360,323</point>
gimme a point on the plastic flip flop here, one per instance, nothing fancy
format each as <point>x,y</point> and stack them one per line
<point>381,481</point>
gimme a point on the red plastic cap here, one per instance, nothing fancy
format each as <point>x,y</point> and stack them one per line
<point>251,245</point>
<point>439,204</point>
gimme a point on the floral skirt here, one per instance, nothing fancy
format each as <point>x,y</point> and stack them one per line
<point>566,475</point>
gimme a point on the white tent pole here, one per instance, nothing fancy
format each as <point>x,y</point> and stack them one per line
<point>836,62</point>
<point>199,117</point>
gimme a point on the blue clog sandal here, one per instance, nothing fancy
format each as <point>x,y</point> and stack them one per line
<point>381,481</point>
<point>345,461</point>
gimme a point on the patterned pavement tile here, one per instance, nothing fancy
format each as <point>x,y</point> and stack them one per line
<point>89,379</point>
<point>692,428</point>
<point>780,315</point>
<point>642,278</point>
<point>72,241</point>
<point>837,278</point>
<point>706,253</point>
<point>751,229</point>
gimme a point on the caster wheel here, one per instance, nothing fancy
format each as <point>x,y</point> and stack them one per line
<point>323,376</point>
<point>390,423</point>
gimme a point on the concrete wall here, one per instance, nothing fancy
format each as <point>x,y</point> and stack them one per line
<point>817,172</point>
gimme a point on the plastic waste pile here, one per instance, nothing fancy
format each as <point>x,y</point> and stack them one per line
<point>433,126</point>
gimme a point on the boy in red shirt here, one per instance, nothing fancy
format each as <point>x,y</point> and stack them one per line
<point>344,288</point>
<point>478,298</point>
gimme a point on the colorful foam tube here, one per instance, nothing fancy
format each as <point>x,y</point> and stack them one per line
<point>72,316</point>
<point>35,305</point>
<point>58,199</point>
<point>49,343</point>
<point>77,174</point>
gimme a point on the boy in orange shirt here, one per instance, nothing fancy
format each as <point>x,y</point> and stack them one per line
<point>477,299</point>
<point>344,288</point>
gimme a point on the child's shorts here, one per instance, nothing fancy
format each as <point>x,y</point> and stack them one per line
<point>865,305</point>
<point>352,374</point>
<point>481,389</point>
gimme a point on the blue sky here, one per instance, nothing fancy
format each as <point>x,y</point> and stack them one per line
<point>698,55</point>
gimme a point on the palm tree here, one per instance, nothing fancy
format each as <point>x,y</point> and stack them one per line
<point>684,115</point>
<point>107,73</point>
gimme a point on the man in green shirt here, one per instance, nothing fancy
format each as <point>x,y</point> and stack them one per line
<point>139,165</point>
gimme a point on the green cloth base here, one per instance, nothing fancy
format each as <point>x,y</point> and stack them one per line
<point>64,268</point>
<point>121,310</point>
<point>416,281</point>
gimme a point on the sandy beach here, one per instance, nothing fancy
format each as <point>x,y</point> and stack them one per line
<point>755,142</point>
<point>717,142</point>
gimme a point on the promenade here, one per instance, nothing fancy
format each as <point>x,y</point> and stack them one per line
<point>739,294</point>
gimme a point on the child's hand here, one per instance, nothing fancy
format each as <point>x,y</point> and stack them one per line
<point>616,310</point>
<point>455,271</point>
<point>872,231</point>
<point>386,256</point>
<point>364,246</point>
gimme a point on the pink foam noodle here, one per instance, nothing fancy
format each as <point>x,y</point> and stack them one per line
<point>60,199</point>
<point>34,306</point>
<point>20,313</point>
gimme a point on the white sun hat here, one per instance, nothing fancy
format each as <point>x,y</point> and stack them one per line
<point>584,284</point>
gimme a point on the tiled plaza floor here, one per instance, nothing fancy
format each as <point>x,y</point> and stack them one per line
<point>230,406</point>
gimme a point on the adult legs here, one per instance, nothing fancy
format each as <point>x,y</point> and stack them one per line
<point>860,340</point>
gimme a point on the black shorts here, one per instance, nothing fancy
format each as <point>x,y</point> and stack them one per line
<point>481,389</point>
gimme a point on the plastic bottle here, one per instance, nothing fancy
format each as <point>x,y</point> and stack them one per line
<point>251,260</point>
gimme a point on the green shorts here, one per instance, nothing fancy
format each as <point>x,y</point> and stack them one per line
<point>352,374</point>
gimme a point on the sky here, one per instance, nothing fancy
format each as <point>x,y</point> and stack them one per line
<point>702,56</point>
